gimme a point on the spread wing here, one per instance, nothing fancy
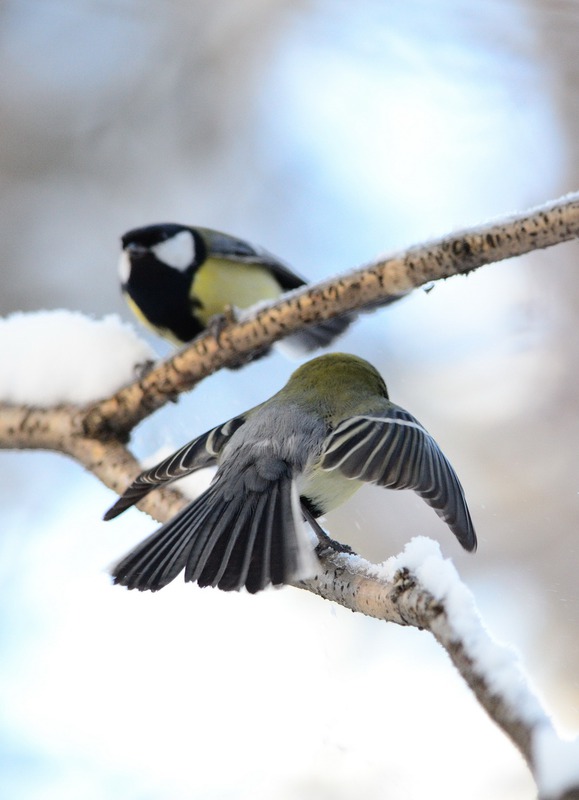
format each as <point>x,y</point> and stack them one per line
<point>392,449</point>
<point>197,454</point>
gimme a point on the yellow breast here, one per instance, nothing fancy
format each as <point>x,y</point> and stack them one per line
<point>218,284</point>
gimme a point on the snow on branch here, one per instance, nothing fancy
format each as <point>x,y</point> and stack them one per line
<point>422,589</point>
<point>45,388</point>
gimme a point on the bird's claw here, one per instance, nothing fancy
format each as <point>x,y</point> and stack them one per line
<point>219,322</point>
<point>326,543</point>
<point>143,368</point>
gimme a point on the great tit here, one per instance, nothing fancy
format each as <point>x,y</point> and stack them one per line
<point>292,458</point>
<point>176,279</point>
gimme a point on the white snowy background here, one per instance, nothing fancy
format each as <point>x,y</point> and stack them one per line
<point>329,132</point>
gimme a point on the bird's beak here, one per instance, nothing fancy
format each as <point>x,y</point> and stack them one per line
<point>136,250</point>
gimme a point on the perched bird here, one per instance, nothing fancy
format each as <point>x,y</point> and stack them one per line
<point>176,278</point>
<point>292,458</point>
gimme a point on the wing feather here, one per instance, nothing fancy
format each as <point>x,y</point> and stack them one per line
<point>197,454</point>
<point>233,249</point>
<point>392,449</point>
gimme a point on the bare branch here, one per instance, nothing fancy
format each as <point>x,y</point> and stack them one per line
<point>58,429</point>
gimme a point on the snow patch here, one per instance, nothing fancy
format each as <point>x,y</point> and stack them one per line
<point>556,763</point>
<point>52,357</point>
<point>499,664</point>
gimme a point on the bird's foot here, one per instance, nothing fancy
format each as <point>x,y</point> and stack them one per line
<point>218,323</point>
<point>326,543</point>
<point>143,368</point>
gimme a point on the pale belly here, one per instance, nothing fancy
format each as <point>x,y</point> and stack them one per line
<point>327,490</point>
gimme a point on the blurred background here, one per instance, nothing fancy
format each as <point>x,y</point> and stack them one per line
<point>329,132</point>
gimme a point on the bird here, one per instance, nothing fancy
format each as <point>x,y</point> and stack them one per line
<point>283,463</point>
<point>177,279</point>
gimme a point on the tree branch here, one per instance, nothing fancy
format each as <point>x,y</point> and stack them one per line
<point>402,599</point>
<point>57,429</point>
<point>380,281</point>
<point>399,592</point>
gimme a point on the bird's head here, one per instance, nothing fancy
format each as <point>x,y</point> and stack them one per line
<point>163,245</point>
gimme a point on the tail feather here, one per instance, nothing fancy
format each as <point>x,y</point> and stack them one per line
<point>315,336</point>
<point>283,551</point>
<point>258,569</point>
<point>324,333</point>
<point>209,556</point>
<point>250,539</point>
<point>160,558</point>
<point>255,565</point>
<point>228,563</point>
<point>270,562</point>
<point>250,549</point>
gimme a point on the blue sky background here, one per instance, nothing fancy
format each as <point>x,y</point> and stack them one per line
<point>329,133</point>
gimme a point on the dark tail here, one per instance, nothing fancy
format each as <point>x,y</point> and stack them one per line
<point>316,336</point>
<point>324,333</point>
<point>250,540</point>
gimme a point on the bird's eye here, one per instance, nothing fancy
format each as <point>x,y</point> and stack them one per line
<point>178,251</point>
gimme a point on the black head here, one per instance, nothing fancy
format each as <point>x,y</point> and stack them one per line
<point>175,246</point>
<point>155,269</point>
<point>150,235</point>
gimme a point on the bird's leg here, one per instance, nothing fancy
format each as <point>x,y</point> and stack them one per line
<point>143,368</point>
<point>219,322</point>
<point>325,542</point>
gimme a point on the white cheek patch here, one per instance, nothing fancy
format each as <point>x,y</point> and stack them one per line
<point>177,252</point>
<point>124,267</point>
